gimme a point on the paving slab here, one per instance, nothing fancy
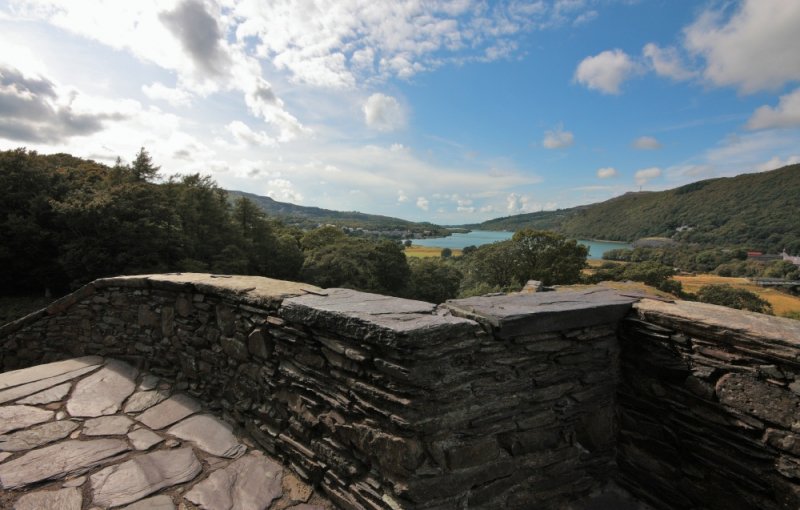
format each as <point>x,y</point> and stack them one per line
<point>18,417</point>
<point>103,392</point>
<point>169,411</point>
<point>28,375</point>
<point>107,426</point>
<point>54,394</point>
<point>31,388</point>
<point>251,482</point>
<point>37,436</point>
<point>58,460</point>
<point>143,439</point>
<point>141,476</point>
<point>64,499</point>
<point>210,435</point>
<point>161,502</point>
<point>143,400</point>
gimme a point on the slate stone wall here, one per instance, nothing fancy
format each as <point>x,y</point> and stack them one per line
<point>710,408</point>
<point>505,402</point>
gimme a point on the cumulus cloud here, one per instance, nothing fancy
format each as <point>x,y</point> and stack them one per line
<point>261,101</point>
<point>557,138</point>
<point>605,71</point>
<point>645,175</point>
<point>401,196</point>
<point>754,48</point>
<point>646,143</point>
<point>199,35</point>
<point>283,190</point>
<point>34,109</point>
<point>174,96</point>
<point>606,172</point>
<point>423,203</point>
<point>666,62</point>
<point>244,135</point>
<point>383,113</point>
<point>785,114</point>
<point>777,162</point>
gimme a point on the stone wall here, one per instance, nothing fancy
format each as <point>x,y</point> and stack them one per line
<point>710,407</point>
<point>504,402</point>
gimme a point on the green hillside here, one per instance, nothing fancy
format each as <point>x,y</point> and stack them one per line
<point>310,217</point>
<point>757,211</point>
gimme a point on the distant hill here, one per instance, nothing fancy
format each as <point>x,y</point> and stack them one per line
<point>310,217</point>
<point>758,211</point>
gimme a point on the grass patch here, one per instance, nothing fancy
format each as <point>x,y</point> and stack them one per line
<point>427,251</point>
<point>782,303</point>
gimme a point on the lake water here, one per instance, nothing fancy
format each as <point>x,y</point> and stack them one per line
<point>479,237</point>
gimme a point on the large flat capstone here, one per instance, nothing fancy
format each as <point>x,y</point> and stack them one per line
<point>18,417</point>
<point>515,314</point>
<point>32,388</point>
<point>169,411</point>
<point>39,372</point>
<point>57,460</point>
<point>210,435</point>
<point>64,499</point>
<point>37,436</point>
<point>369,316</point>
<point>143,475</point>
<point>103,392</point>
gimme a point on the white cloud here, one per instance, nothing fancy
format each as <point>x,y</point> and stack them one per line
<point>646,143</point>
<point>755,48</point>
<point>423,203</point>
<point>401,196</point>
<point>786,114</point>
<point>174,96</point>
<point>666,62</point>
<point>283,190</point>
<point>383,113</point>
<point>605,71</point>
<point>557,138</point>
<point>645,175</point>
<point>606,172</point>
<point>776,162</point>
<point>246,136</point>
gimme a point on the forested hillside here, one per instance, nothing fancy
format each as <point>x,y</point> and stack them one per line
<point>310,217</point>
<point>756,211</point>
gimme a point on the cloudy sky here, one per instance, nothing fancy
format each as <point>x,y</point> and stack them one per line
<point>451,111</point>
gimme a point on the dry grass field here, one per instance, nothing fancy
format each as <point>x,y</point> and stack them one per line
<point>782,303</point>
<point>426,251</point>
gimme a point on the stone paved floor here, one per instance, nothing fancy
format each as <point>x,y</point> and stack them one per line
<point>93,433</point>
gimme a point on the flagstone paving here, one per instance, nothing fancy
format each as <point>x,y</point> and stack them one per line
<point>92,433</point>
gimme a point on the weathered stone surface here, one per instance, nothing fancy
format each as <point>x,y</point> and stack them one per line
<point>759,398</point>
<point>143,400</point>
<point>103,392</point>
<point>55,394</point>
<point>149,382</point>
<point>143,475</point>
<point>4,456</point>
<point>37,386</point>
<point>18,417</point>
<point>249,483</point>
<point>516,314</point>
<point>57,460</point>
<point>47,371</point>
<point>143,439</point>
<point>367,315</point>
<point>162,502</point>
<point>295,490</point>
<point>210,435</point>
<point>36,436</point>
<point>64,499</point>
<point>169,411</point>
<point>74,482</point>
<point>107,426</point>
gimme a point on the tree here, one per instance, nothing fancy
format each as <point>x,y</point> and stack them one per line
<point>733,297</point>
<point>446,253</point>
<point>433,280</point>
<point>142,167</point>
<point>548,257</point>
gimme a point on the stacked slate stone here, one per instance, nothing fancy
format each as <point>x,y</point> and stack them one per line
<point>710,408</point>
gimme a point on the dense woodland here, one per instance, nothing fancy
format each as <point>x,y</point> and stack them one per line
<point>66,221</point>
<point>753,211</point>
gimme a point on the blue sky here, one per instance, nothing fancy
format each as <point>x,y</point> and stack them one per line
<point>451,111</point>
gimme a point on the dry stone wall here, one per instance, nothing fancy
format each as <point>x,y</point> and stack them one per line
<point>503,402</point>
<point>710,408</point>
